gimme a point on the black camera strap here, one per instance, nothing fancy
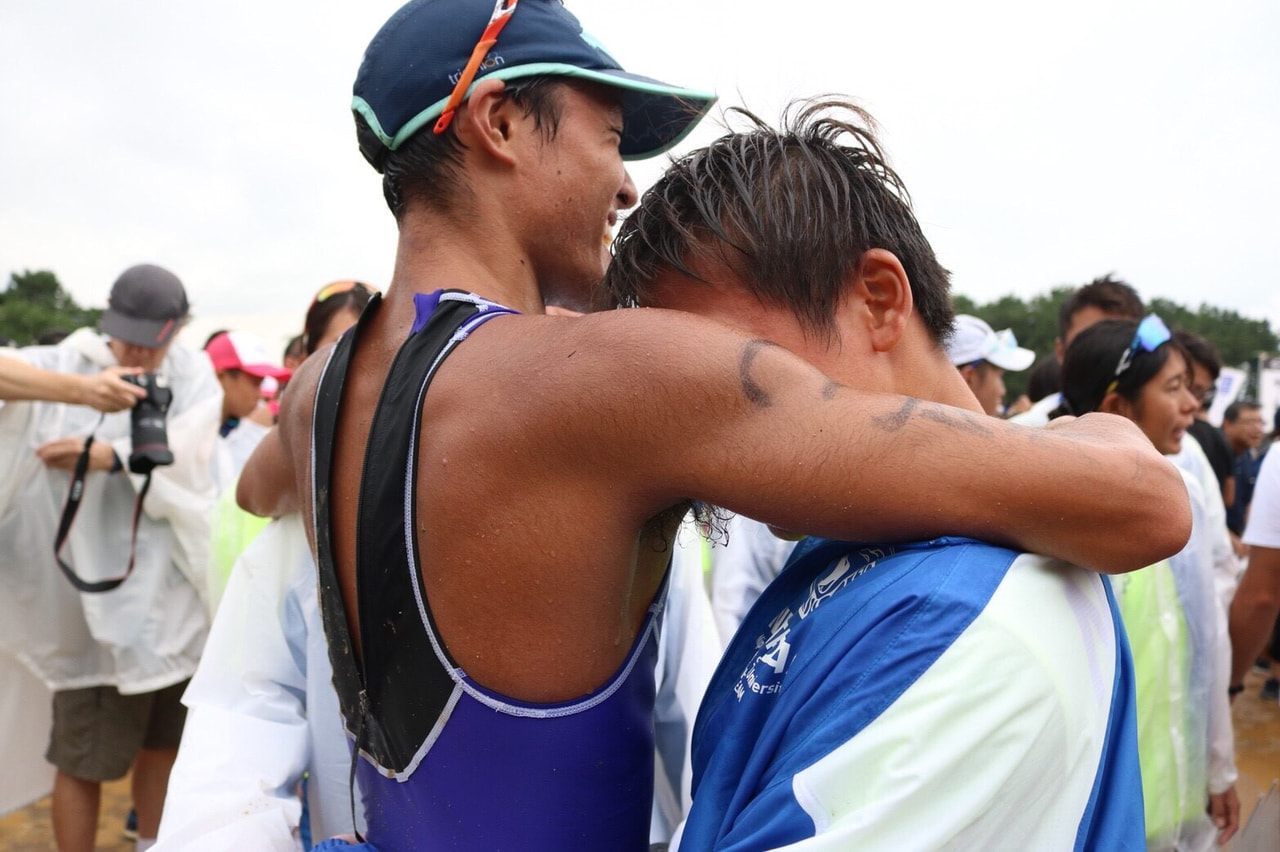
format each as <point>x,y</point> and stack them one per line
<point>69,510</point>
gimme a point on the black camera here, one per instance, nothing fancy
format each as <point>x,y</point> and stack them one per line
<point>150,440</point>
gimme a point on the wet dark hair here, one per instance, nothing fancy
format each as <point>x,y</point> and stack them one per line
<point>1106,293</point>
<point>427,166</point>
<point>320,314</point>
<point>790,211</point>
<point>1089,366</point>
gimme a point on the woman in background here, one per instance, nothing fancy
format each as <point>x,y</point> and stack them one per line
<point>1177,633</point>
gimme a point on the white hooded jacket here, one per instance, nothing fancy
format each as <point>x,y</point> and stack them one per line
<point>148,633</point>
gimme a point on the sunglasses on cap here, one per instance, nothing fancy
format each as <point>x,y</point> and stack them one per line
<point>1152,333</point>
<point>502,11</point>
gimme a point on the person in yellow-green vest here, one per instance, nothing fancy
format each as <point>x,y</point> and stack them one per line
<point>1176,630</point>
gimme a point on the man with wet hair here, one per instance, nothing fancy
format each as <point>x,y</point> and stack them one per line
<point>491,491</point>
<point>869,677</point>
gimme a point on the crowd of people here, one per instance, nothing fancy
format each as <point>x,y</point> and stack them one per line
<point>717,534</point>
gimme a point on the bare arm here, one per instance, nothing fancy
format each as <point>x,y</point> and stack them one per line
<point>751,427</point>
<point>105,391</point>
<point>271,483</point>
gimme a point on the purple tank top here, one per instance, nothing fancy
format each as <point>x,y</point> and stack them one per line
<point>445,763</point>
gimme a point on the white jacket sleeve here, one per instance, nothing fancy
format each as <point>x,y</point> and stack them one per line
<point>742,568</point>
<point>1221,737</point>
<point>689,649</point>
<point>246,742</point>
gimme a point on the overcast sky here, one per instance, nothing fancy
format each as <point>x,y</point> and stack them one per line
<point>1042,144</point>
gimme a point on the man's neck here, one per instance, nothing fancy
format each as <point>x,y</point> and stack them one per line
<point>915,367</point>
<point>435,252</point>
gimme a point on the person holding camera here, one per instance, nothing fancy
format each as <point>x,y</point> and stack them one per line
<point>103,546</point>
<point>107,391</point>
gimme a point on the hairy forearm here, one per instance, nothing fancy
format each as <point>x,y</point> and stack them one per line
<point>1112,508</point>
<point>1254,608</point>
<point>1093,491</point>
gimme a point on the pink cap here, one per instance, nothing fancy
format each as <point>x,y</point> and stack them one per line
<point>239,350</point>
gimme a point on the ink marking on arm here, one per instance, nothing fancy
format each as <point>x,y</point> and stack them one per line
<point>757,395</point>
<point>895,421</point>
<point>958,419</point>
<point>829,390</point>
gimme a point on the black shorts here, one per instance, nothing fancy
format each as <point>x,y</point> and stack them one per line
<point>97,731</point>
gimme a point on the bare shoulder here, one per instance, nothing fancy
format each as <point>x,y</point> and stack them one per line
<point>271,481</point>
<point>298,401</point>
<point>620,354</point>
<point>627,396</point>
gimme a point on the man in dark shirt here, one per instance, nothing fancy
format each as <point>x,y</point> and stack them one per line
<point>1244,428</point>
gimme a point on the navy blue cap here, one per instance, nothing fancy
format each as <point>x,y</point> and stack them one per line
<point>412,64</point>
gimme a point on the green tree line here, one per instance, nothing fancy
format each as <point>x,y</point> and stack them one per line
<point>33,303</point>
<point>1034,321</point>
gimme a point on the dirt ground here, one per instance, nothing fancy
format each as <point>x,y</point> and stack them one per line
<point>1257,748</point>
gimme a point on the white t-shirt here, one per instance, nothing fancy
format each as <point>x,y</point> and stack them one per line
<point>1264,513</point>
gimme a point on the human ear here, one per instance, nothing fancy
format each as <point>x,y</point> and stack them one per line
<point>487,121</point>
<point>883,286</point>
<point>1114,403</point>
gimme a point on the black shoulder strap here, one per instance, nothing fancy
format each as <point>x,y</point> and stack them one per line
<point>397,652</point>
<point>346,668</point>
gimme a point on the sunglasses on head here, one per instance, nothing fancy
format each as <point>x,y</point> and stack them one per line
<point>1152,333</point>
<point>330,290</point>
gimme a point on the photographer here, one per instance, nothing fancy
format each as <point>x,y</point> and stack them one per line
<point>116,647</point>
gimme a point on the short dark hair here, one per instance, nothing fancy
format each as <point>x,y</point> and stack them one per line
<point>791,211</point>
<point>427,166</point>
<point>1089,365</point>
<point>1240,406</point>
<point>296,347</point>
<point>214,334</point>
<point>1200,350</point>
<point>1045,378</point>
<point>1106,293</point>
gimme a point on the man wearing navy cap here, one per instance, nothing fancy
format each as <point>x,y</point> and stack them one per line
<point>491,491</point>
<point>117,658</point>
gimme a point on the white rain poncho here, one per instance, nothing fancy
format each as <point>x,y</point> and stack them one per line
<point>1176,631</point>
<point>148,633</point>
<point>262,709</point>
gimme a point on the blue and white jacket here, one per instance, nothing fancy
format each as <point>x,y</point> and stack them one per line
<point>947,694</point>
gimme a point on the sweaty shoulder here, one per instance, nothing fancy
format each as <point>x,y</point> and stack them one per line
<point>632,387</point>
<point>615,362</point>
